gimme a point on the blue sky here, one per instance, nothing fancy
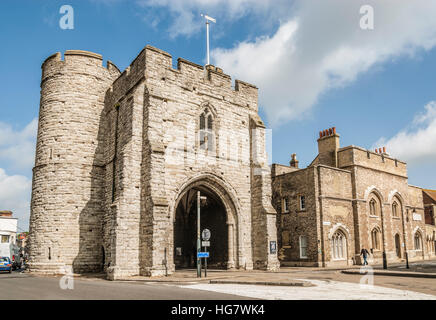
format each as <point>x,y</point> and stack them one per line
<point>314,66</point>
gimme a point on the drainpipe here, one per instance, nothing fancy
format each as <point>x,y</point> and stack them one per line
<point>321,218</point>
<point>385,262</point>
<point>404,238</point>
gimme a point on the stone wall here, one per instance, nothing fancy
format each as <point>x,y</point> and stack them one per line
<point>339,185</point>
<point>336,213</point>
<point>296,222</point>
<point>158,158</point>
<point>67,189</point>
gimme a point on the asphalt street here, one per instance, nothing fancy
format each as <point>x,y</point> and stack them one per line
<point>30,287</point>
<point>23,286</point>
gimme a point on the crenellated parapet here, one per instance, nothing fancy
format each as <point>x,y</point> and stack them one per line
<point>155,66</point>
<point>77,61</point>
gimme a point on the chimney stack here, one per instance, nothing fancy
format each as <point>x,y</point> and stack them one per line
<point>5,213</point>
<point>328,146</point>
<point>294,161</point>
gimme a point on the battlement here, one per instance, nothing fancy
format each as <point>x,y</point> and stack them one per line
<point>156,66</point>
<point>353,155</point>
<point>76,59</point>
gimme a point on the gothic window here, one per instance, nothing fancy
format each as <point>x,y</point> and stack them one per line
<point>375,237</point>
<point>206,131</point>
<point>339,246</point>
<point>373,207</point>
<point>418,241</point>
<point>395,209</point>
<point>303,247</point>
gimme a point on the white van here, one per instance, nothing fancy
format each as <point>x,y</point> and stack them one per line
<point>12,251</point>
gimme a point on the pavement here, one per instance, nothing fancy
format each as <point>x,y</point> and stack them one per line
<point>424,269</point>
<point>187,276</point>
<point>319,290</point>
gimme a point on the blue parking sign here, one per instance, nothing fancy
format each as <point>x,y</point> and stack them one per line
<point>202,254</point>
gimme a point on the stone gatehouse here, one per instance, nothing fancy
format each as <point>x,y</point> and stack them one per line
<point>121,157</point>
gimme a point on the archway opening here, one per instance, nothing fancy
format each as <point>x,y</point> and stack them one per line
<point>213,216</point>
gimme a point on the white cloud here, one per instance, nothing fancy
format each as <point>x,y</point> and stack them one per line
<point>417,143</point>
<point>318,46</point>
<point>321,47</point>
<point>185,14</point>
<point>15,193</point>
<point>17,147</point>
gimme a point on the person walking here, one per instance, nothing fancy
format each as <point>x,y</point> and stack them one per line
<point>364,253</point>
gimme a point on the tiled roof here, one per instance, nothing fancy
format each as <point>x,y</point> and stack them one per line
<point>431,194</point>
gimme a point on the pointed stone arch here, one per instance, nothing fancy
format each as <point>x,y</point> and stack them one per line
<point>224,192</point>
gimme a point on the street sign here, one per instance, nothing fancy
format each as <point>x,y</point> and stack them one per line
<point>205,243</point>
<point>202,254</point>
<point>205,235</point>
<point>272,247</point>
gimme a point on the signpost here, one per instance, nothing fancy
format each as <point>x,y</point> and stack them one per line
<point>205,235</point>
<point>199,198</point>
<point>198,236</point>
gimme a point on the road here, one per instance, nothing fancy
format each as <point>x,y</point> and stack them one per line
<point>328,284</point>
<point>23,286</point>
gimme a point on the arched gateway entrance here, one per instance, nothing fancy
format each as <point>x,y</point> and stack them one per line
<point>217,213</point>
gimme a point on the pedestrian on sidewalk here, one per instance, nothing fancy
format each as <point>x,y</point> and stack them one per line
<point>364,253</point>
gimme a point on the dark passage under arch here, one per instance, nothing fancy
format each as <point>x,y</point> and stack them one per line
<point>213,217</point>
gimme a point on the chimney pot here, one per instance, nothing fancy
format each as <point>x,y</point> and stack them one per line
<point>330,131</point>
<point>376,151</point>
<point>320,134</point>
<point>384,149</point>
<point>379,150</point>
<point>334,130</point>
<point>294,161</point>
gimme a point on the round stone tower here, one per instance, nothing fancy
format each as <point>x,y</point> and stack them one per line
<point>68,177</point>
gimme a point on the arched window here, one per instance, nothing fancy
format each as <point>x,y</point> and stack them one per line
<point>373,207</point>
<point>375,237</point>
<point>395,209</point>
<point>207,141</point>
<point>418,241</point>
<point>339,246</point>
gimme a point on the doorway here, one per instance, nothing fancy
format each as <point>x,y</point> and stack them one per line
<point>213,216</point>
<point>398,245</point>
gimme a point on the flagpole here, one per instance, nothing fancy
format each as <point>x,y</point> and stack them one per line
<point>208,19</point>
<point>207,41</point>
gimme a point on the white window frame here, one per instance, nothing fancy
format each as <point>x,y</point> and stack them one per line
<point>285,205</point>
<point>301,247</point>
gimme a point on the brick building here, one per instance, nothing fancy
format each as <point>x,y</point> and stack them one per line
<point>347,199</point>
<point>120,158</point>
<point>429,197</point>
